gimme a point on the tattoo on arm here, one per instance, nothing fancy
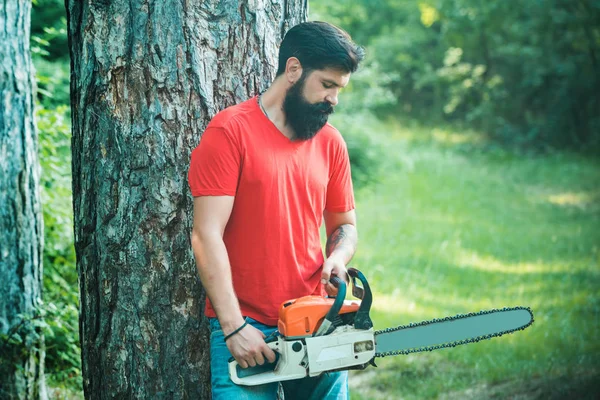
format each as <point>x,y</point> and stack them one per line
<point>344,238</point>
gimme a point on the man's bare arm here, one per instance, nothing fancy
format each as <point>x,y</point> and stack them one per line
<point>210,218</point>
<point>342,238</point>
<point>211,214</point>
<point>343,241</point>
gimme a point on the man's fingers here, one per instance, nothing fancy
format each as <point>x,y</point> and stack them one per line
<point>340,272</point>
<point>331,268</point>
<point>269,353</point>
<point>249,348</point>
<point>271,356</point>
<point>344,276</point>
<point>260,360</point>
<point>326,273</point>
<point>331,290</point>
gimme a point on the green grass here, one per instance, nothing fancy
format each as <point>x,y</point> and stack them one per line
<point>458,225</point>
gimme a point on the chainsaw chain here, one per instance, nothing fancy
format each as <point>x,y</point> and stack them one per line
<point>455,343</point>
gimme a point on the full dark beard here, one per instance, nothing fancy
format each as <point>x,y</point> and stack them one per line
<point>304,118</point>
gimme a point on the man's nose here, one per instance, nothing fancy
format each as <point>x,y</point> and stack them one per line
<point>332,98</point>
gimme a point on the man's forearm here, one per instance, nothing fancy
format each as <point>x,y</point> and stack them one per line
<point>342,243</point>
<point>213,266</point>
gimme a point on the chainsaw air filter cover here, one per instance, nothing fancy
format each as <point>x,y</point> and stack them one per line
<point>303,316</point>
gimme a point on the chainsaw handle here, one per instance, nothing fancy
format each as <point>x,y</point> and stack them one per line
<point>362,319</point>
<point>290,364</point>
<point>233,371</point>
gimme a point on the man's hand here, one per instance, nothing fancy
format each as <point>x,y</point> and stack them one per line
<point>333,266</point>
<point>248,347</point>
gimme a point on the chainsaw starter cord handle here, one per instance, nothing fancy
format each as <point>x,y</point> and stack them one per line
<point>236,331</point>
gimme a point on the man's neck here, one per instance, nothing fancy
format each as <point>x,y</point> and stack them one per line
<point>272,103</point>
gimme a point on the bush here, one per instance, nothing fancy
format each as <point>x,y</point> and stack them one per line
<point>362,133</point>
<point>63,364</point>
<point>525,75</point>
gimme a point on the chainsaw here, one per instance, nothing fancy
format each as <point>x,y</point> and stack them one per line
<point>317,334</point>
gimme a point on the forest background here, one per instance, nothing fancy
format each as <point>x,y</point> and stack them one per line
<point>474,130</point>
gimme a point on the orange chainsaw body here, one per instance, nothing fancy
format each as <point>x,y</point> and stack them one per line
<point>303,316</point>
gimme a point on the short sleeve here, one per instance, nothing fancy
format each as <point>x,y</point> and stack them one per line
<point>215,165</point>
<point>340,193</point>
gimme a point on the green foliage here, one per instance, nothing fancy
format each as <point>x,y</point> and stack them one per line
<point>50,52</point>
<point>20,341</point>
<point>21,349</point>
<point>52,82</point>
<point>538,65</point>
<point>525,73</point>
<point>55,162</point>
<point>49,29</point>
<point>24,340</point>
<point>63,355</point>
<point>60,275</point>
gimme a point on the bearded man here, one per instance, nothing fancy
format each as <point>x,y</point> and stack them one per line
<point>266,174</point>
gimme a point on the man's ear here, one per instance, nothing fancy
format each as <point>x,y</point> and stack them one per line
<point>293,70</point>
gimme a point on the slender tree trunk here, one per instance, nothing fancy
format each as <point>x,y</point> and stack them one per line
<point>146,77</point>
<point>21,227</point>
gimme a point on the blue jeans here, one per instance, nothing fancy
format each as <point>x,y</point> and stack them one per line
<point>327,386</point>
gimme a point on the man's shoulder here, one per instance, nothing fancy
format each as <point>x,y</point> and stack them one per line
<point>330,135</point>
<point>226,118</point>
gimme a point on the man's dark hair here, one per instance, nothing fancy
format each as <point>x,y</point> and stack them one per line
<point>320,45</point>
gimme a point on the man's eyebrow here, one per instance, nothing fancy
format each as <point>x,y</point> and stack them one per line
<point>333,83</point>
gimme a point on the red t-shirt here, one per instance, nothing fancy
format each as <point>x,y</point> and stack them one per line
<point>281,188</point>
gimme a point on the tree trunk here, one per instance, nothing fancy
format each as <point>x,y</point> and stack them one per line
<point>146,77</point>
<point>21,227</point>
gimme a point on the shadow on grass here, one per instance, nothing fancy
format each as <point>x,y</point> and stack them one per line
<point>582,386</point>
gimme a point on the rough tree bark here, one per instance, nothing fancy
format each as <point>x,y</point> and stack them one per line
<point>21,226</point>
<point>146,77</point>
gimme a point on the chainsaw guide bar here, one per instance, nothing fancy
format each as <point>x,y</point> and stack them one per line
<point>395,334</point>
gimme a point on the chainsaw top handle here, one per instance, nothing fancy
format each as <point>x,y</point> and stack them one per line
<point>362,320</point>
<point>327,324</point>
<point>339,298</point>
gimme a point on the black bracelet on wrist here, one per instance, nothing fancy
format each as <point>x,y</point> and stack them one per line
<point>236,331</point>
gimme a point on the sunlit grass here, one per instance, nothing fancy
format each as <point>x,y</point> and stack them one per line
<point>573,199</point>
<point>451,229</point>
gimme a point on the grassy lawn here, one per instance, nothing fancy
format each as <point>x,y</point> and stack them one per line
<point>455,227</point>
